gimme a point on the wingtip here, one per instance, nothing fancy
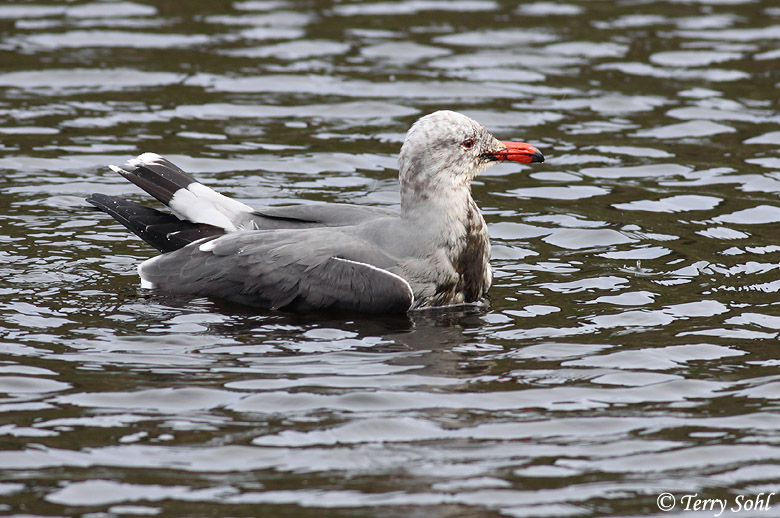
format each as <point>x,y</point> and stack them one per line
<point>143,159</point>
<point>139,161</point>
<point>99,201</point>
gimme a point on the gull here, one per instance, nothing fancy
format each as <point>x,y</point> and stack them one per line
<point>434,251</point>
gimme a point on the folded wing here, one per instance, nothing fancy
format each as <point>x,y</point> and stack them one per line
<point>292,269</point>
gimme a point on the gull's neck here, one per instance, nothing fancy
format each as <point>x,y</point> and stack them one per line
<point>448,226</point>
<point>436,198</point>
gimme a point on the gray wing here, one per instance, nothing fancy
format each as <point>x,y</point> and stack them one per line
<point>285,269</point>
<point>315,215</point>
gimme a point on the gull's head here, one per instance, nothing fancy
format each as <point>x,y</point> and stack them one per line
<point>448,147</point>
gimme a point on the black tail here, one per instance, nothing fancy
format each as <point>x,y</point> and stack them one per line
<point>163,231</point>
<point>156,175</point>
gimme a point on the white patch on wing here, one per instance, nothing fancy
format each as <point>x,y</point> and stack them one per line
<point>146,283</point>
<point>208,246</point>
<point>201,204</point>
<point>383,271</point>
<point>228,204</point>
<point>187,205</point>
<point>144,158</point>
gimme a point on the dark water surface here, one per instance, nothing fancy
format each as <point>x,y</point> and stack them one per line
<point>631,345</point>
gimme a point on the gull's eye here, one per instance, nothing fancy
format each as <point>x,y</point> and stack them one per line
<point>467,144</point>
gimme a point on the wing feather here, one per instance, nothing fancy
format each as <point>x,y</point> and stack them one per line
<point>315,215</point>
<point>292,269</point>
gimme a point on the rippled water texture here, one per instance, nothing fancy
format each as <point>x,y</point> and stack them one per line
<point>631,344</point>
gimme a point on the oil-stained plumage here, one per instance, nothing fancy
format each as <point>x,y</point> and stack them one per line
<point>435,251</point>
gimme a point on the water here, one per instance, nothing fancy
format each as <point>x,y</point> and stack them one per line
<point>630,346</point>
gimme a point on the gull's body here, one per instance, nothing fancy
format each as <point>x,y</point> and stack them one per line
<point>433,252</point>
